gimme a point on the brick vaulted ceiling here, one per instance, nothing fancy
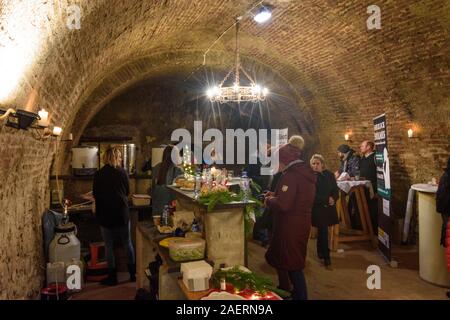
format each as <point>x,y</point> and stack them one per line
<point>321,48</point>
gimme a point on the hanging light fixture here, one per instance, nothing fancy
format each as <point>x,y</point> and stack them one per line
<point>236,92</point>
<point>263,15</point>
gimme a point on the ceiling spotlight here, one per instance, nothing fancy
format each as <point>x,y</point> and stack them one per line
<point>263,15</point>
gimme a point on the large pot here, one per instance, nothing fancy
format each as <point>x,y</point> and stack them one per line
<point>84,160</point>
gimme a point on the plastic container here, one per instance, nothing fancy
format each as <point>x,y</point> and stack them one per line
<point>196,275</point>
<point>187,249</point>
<point>140,199</point>
<point>56,273</point>
<point>65,246</point>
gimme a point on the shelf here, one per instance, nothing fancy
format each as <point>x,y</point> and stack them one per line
<point>71,177</point>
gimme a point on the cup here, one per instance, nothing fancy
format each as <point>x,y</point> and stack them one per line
<point>156,220</point>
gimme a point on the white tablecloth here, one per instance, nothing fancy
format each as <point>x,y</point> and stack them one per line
<point>347,185</point>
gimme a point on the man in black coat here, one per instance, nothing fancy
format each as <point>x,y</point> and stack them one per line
<point>368,171</point>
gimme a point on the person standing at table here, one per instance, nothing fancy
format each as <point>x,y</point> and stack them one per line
<point>368,171</point>
<point>324,212</point>
<point>163,175</point>
<point>349,161</point>
<point>291,205</point>
<point>111,190</point>
<point>350,165</point>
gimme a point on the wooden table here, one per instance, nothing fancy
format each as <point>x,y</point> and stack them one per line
<point>222,228</point>
<point>193,295</point>
<point>343,231</point>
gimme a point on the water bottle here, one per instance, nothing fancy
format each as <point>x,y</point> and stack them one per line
<point>245,185</point>
<point>195,226</point>
<point>165,216</point>
<point>198,185</point>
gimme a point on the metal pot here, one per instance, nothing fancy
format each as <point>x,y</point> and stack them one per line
<point>84,160</point>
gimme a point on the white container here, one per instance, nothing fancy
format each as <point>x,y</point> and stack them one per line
<point>140,199</point>
<point>84,160</point>
<point>65,246</point>
<point>56,273</point>
<point>196,275</point>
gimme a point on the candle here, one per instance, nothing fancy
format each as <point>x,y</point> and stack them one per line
<point>57,131</point>
<point>346,137</point>
<point>44,118</point>
<point>410,133</point>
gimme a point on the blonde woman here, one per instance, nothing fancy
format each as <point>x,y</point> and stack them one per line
<point>111,190</point>
<point>324,210</point>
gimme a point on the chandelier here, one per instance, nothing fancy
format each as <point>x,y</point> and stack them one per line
<point>236,92</point>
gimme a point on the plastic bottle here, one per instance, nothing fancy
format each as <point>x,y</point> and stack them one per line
<point>198,185</point>
<point>165,216</point>
<point>245,185</point>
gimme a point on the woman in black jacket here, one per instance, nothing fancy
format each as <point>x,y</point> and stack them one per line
<point>324,210</point>
<point>111,190</point>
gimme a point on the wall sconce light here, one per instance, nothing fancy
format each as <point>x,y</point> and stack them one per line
<point>43,115</point>
<point>19,119</point>
<point>347,137</point>
<point>411,134</point>
<point>57,131</point>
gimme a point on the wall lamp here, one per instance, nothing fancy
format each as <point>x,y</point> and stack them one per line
<point>24,120</point>
<point>347,137</point>
<point>19,119</point>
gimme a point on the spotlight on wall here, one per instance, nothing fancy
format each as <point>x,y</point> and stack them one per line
<point>20,119</point>
<point>263,14</point>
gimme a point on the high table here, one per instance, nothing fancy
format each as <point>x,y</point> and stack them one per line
<point>432,259</point>
<point>346,189</point>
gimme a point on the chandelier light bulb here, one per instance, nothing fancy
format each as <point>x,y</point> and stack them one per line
<point>216,91</point>
<point>265,91</point>
<point>209,93</point>
<point>257,89</point>
<point>236,87</point>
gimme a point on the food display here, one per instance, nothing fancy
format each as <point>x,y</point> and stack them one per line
<point>187,249</point>
<point>165,242</point>
<point>184,184</point>
<point>165,229</point>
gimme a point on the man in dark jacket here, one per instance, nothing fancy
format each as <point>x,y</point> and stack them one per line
<point>368,171</point>
<point>349,161</point>
<point>291,206</point>
<point>111,190</point>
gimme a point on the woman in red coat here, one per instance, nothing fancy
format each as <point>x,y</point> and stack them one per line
<point>291,206</point>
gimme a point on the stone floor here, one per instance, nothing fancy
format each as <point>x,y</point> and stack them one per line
<point>347,280</point>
